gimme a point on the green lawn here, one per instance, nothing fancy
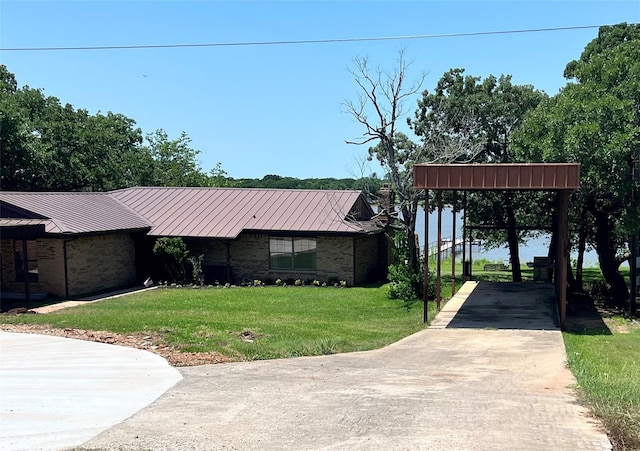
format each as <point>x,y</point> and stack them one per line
<point>285,321</point>
<point>606,364</point>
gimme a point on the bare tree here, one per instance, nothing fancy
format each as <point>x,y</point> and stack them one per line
<point>380,108</point>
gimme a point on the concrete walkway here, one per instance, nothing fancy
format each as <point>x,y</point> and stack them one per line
<point>464,384</point>
<point>56,393</point>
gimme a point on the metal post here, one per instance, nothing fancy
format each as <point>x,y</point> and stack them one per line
<point>465,275</point>
<point>425,289</point>
<point>453,248</point>
<point>25,268</point>
<point>439,254</point>
<point>562,254</point>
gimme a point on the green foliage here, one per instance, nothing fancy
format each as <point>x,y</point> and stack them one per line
<point>605,364</point>
<point>47,146</point>
<point>173,162</point>
<point>490,109</point>
<point>406,283</point>
<point>173,253</point>
<point>196,265</point>
<point>595,121</point>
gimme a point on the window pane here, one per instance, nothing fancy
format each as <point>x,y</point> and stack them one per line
<point>304,253</point>
<point>281,252</point>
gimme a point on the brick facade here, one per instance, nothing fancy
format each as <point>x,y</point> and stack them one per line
<point>100,263</point>
<point>50,256</point>
<point>94,264</point>
<point>336,258</point>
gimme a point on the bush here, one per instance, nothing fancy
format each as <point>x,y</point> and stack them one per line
<point>196,265</point>
<point>173,253</point>
<point>406,285</point>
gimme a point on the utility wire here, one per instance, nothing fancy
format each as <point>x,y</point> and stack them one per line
<point>293,42</point>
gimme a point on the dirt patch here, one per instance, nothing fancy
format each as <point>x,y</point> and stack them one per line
<point>151,343</point>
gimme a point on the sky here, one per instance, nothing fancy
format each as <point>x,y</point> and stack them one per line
<point>279,109</point>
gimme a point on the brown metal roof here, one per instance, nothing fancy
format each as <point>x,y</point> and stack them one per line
<point>226,212</point>
<point>529,176</point>
<point>76,212</point>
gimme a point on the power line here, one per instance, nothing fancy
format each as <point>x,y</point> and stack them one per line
<point>294,42</point>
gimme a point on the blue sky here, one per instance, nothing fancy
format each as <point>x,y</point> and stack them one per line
<point>278,109</point>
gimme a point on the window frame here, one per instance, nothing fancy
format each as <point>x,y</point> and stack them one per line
<point>290,252</point>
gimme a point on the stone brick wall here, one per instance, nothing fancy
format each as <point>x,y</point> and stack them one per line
<point>100,263</point>
<point>50,256</point>
<point>335,258</point>
<point>250,257</point>
<point>368,259</point>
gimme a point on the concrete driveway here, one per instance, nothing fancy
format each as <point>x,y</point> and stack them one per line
<point>56,393</point>
<point>464,384</point>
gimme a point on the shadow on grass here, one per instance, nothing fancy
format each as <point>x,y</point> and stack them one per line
<point>583,318</point>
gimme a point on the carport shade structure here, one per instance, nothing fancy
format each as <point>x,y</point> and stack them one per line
<point>559,177</point>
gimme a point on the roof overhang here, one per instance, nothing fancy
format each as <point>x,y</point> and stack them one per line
<point>21,229</point>
<point>517,176</point>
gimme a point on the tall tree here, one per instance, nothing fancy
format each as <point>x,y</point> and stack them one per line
<point>498,107</point>
<point>47,146</point>
<point>381,110</point>
<point>173,162</point>
<point>595,121</point>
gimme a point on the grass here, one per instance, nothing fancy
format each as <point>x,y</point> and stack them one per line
<point>606,365</point>
<point>281,321</point>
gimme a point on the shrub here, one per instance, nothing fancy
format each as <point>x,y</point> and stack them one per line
<point>173,253</point>
<point>196,265</point>
<point>298,283</point>
<point>278,282</point>
<point>406,285</point>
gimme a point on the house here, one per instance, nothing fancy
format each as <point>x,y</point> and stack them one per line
<point>78,243</point>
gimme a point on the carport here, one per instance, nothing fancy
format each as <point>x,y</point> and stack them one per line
<point>561,178</point>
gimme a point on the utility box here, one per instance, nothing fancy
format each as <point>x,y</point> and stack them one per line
<point>542,270</point>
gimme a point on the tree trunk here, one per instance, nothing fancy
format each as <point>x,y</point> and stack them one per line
<point>609,265</point>
<point>582,245</point>
<point>512,240</point>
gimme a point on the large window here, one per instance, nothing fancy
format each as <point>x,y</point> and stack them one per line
<point>292,253</point>
<point>32,260</point>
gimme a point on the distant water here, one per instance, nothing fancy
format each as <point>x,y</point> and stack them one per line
<point>535,247</point>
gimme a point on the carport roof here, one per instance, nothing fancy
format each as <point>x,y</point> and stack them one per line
<point>516,176</point>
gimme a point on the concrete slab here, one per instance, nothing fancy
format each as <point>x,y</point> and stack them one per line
<point>486,387</point>
<point>57,393</point>
<point>501,305</point>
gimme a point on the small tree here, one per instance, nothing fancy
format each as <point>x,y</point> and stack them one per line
<point>173,253</point>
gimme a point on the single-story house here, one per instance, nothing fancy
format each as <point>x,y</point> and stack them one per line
<point>71,244</point>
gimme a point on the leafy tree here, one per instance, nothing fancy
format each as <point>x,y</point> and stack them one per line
<point>595,121</point>
<point>48,146</point>
<point>174,254</point>
<point>498,107</point>
<point>173,162</point>
<point>218,178</point>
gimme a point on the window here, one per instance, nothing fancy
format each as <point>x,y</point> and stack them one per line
<point>292,253</point>
<point>32,260</point>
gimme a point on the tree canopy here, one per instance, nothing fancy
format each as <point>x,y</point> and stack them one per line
<point>595,121</point>
<point>47,146</point>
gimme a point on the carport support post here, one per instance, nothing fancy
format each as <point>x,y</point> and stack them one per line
<point>425,279</point>
<point>439,253</point>
<point>562,252</point>
<point>453,247</point>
